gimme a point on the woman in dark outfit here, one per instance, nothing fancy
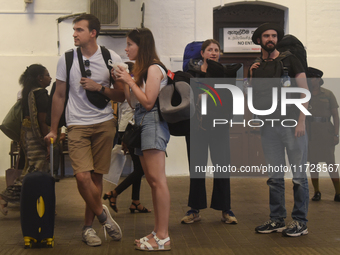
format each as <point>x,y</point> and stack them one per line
<point>125,115</point>
<point>323,134</point>
<point>34,105</point>
<point>216,139</point>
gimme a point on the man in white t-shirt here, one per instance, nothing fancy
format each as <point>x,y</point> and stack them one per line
<point>90,129</point>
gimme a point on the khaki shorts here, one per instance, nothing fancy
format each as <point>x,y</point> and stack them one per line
<point>90,146</point>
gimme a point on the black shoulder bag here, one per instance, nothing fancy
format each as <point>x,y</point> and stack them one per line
<point>132,135</point>
<point>95,97</point>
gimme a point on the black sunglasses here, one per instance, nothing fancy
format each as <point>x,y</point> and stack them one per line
<point>87,64</point>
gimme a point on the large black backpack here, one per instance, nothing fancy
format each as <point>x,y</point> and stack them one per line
<point>180,103</point>
<point>295,46</point>
<point>174,102</point>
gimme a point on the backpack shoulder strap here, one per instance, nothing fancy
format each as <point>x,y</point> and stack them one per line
<point>283,58</point>
<point>284,55</point>
<point>157,100</point>
<point>161,65</point>
<point>170,80</point>
<point>69,62</point>
<point>168,73</point>
<point>81,62</point>
<point>107,56</point>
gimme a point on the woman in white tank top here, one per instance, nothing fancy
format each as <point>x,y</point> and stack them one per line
<point>142,92</point>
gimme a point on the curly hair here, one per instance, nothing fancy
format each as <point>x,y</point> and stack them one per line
<point>30,80</point>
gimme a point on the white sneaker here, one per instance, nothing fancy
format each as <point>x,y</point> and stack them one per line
<point>90,237</point>
<point>111,227</point>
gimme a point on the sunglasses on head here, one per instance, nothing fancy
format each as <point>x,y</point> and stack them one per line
<point>87,64</point>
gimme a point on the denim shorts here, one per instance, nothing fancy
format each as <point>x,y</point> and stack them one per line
<point>155,132</point>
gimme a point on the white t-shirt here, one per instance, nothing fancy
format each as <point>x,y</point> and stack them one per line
<point>79,110</point>
<point>164,82</point>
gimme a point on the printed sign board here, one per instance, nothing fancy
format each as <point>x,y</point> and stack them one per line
<point>239,40</point>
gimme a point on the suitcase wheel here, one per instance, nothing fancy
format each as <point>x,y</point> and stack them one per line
<point>50,243</point>
<point>28,246</point>
<point>28,242</point>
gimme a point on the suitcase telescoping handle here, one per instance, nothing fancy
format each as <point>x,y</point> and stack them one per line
<point>51,157</point>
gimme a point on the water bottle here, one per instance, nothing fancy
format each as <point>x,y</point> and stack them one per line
<point>285,83</point>
<point>245,85</point>
<point>285,79</point>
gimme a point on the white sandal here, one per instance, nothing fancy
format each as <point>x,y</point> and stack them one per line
<point>144,239</point>
<point>3,207</point>
<point>160,242</point>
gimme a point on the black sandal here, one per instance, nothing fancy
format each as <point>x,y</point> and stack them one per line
<point>112,204</point>
<point>144,210</point>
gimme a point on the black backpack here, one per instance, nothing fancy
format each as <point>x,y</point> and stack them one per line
<point>176,79</point>
<point>69,61</point>
<point>266,77</point>
<point>182,93</point>
<point>295,46</point>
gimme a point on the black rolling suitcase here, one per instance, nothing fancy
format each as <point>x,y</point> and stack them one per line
<point>37,208</point>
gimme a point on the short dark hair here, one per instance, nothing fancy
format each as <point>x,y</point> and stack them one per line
<point>94,22</point>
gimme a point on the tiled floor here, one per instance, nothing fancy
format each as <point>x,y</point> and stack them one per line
<point>210,236</point>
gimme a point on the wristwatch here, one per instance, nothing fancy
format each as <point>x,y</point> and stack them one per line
<point>337,136</point>
<point>102,90</point>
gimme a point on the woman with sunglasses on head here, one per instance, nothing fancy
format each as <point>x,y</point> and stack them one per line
<point>141,93</point>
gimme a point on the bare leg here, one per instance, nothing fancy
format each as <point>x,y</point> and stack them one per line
<point>90,187</point>
<point>153,162</point>
<point>142,161</point>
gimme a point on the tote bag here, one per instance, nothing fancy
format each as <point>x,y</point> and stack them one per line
<point>11,125</point>
<point>117,164</point>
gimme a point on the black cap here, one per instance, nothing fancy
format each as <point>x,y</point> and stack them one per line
<point>264,27</point>
<point>314,73</point>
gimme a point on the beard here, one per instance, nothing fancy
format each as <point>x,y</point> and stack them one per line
<point>269,48</point>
